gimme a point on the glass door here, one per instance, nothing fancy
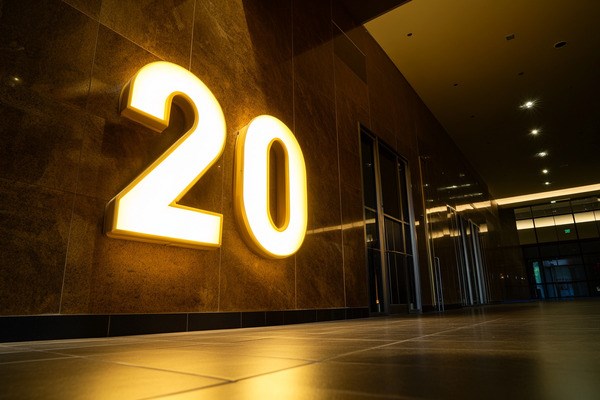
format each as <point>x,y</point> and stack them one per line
<point>389,231</point>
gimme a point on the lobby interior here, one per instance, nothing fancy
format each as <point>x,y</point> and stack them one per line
<point>451,246</point>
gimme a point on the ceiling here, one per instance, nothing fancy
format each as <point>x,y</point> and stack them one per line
<point>457,57</point>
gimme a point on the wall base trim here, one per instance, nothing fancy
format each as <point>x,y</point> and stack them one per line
<point>51,327</point>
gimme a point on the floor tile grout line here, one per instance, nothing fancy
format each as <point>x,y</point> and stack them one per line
<point>407,340</point>
<point>210,351</point>
<point>162,396</point>
<point>36,360</point>
<point>226,380</point>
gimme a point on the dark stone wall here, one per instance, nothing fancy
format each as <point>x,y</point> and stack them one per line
<point>65,151</point>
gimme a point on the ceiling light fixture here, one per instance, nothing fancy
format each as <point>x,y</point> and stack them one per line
<point>549,194</point>
<point>528,104</point>
<point>545,171</point>
<point>560,44</point>
<point>546,183</point>
<point>534,131</point>
<point>542,154</point>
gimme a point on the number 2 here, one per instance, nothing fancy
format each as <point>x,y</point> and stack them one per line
<point>147,208</point>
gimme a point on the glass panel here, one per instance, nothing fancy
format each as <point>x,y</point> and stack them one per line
<point>525,224</point>
<point>593,267</point>
<point>549,250</point>
<point>543,222</point>
<point>527,236</point>
<point>536,272</point>
<point>393,234</point>
<point>542,210</point>
<point>590,246</point>
<point>368,172</point>
<point>584,217</point>
<point>578,273</point>
<point>540,292</point>
<point>587,204</point>
<point>375,285</point>
<point>407,239</point>
<point>530,252</point>
<point>522,213</point>
<point>397,278</point>
<point>548,277</point>
<point>566,232</point>
<point>566,219</point>
<point>587,230</point>
<point>563,207</point>
<point>389,235</point>
<point>567,249</point>
<point>388,165</point>
<point>551,288</point>
<point>580,289</point>
<point>371,229</point>
<point>547,234</point>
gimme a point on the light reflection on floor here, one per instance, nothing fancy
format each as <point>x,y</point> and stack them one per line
<point>521,351</point>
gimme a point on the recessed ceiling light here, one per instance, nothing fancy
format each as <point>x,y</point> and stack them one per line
<point>560,44</point>
<point>553,201</point>
<point>528,104</point>
<point>534,131</point>
<point>542,154</point>
<point>546,183</point>
<point>545,171</point>
<point>409,34</point>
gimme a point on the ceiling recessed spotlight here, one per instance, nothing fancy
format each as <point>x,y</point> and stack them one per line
<point>560,44</point>
<point>542,154</point>
<point>528,104</point>
<point>553,202</point>
<point>546,183</point>
<point>409,34</point>
<point>545,171</point>
<point>534,131</point>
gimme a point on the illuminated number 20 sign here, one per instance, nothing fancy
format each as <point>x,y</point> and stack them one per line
<point>270,175</point>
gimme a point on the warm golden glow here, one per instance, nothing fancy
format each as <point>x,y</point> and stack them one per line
<point>549,194</point>
<point>252,193</point>
<point>558,220</point>
<point>147,208</point>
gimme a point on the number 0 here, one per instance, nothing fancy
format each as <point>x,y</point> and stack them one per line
<point>270,187</point>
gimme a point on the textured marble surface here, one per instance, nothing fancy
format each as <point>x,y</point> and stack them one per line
<point>34,232</point>
<point>47,47</point>
<point>319,270</point>
<point>521,351</point>
<point>164,28</point>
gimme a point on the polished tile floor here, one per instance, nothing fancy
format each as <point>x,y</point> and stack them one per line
<point>522,351</point>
